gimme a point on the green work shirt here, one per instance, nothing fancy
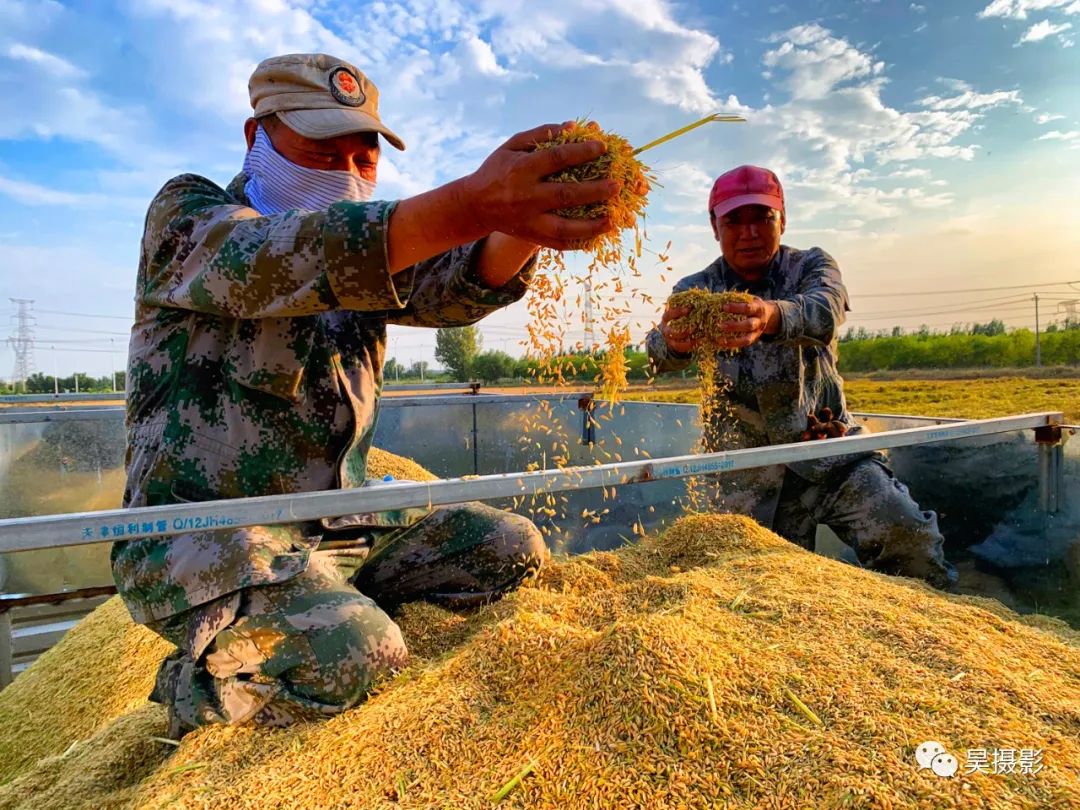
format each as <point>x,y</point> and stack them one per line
<point>255,368</point>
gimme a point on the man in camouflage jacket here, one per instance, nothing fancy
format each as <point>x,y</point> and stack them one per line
<point>255,368</point>
<point>780,384</point>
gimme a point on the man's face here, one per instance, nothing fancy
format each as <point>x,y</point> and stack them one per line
<point>357,153</point>
<point>749,237</point>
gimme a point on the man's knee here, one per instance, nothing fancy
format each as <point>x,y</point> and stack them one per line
<point>350,657</point>
<point>306,648</point>
<point>516,541</point>
<point>891,533</point>
<point>499,541</point>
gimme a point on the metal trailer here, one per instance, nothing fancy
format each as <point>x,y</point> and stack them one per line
<point>998,481</point>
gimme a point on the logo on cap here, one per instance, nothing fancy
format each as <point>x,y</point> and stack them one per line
<point>345,87</point>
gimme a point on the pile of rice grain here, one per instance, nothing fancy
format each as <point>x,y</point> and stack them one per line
<point>715,665</point>
<point>103,670</point>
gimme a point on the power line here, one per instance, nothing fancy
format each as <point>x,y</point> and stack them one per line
<point>995,308</point>
<point>969,290</point>
<point>127,318</point>
<point>72,349</point>
<point>76,329</point>
<point>99,342</point>
<point>949,308</point>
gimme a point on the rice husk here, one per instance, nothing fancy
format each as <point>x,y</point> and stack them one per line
<point>682,671</point>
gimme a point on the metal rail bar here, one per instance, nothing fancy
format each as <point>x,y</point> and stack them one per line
<point>31,399</point>
<point>91,414</point>
<point>939,420</point>
<point>53,531</point>
<point>455,386</point>
<point>11,602</point>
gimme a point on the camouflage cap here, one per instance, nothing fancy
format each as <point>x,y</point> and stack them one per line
<point>318,96</point>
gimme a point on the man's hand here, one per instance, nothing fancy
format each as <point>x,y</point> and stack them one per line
<point>676,339</point>
<point>508,193</point>
<point>759,317</point>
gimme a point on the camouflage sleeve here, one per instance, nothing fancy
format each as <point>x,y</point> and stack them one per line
<point>447,292</point>
<point>661,357</point>
<point>817,311</point>
<point>206,253</point>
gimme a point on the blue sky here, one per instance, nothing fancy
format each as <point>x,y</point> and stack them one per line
<point>927,146</point>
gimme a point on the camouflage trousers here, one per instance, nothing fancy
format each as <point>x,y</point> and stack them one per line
<point>314,645</point>
<point>863,503</point>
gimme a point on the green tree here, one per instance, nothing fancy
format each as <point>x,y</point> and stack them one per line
<point>38,383</point>
<point>457,348</point>
<point>995,327</point>
<point>392,369</point>
<point>492,366</point>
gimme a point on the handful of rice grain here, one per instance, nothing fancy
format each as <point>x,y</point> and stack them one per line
<point>706,316</point>
<point>617,163</point>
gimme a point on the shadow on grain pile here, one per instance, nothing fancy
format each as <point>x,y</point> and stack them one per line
<point>715,665</point>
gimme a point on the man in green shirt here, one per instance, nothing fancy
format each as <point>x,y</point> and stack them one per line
<point>255,368</point>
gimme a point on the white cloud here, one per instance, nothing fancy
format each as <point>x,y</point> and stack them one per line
<point>34,105</point>
<point>834,137</point>
<point>1018,9</point>
<point>482,58</point>
<point>686,188</point>
<point>439,63</point>
<point>1055,135</point>
<point>970,100</point>
<point>921,27</point>
<point>1046,118</point>
<point>908,173</point>
<point>1041,30</point>
<point>918,9</point>
<point>817,61</point>
<point>60,68</point>
<point>954,84</point>
<point>1053,9</point>
<point>34,194</point>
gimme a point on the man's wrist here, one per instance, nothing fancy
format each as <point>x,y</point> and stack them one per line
<point>463,202</point>
<point>773,319</point>
<point>431,223</point>
<point>502,257</point>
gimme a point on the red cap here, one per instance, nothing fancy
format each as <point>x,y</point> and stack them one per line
<point>746,185</point>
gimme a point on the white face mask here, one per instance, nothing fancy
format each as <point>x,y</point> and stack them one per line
<point>276,184</point>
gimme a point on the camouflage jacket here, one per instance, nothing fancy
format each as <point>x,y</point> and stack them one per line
<point>777,381</point>
<point>255,368</point>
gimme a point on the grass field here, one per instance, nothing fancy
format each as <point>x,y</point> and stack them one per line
<point>972,399</point>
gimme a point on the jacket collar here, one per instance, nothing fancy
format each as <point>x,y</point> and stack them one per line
<point>235,189</point>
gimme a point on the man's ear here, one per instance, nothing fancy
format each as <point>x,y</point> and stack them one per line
<point>783,222</point>
<point>715,226</point>
<point>251,126</point>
